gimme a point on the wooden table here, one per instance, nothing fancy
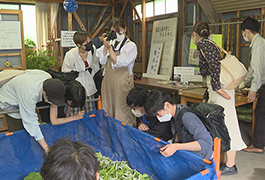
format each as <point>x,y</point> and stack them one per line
<point>196,96</point>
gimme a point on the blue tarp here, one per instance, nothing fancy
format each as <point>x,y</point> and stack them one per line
<point>20,154</point>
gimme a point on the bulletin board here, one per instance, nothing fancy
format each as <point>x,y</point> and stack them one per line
<point>67,39</point>
<point>154,58</point>
<point>165,31</point>
<point>12,50</point>
<point>10,35</point>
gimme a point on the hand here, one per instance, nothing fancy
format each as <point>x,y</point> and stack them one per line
<point>46,150</point>
<point>251,96</point>
<point>143,127</point>
<point>229,52</point>
<point>223,94</point>
<point>106,43</point>
<point>169,149</point>
<point>204,101</point>
<point>79,115</point>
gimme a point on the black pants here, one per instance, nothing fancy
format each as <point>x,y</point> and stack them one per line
<point>13,124</point>
<point>259,133</point>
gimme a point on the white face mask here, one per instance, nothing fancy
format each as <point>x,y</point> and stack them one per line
<point>137,113</point>
<point>120,37</point>
<point>245,38</point>
<point>166,117</point>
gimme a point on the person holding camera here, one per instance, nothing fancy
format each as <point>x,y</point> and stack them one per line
<point>118,53</point>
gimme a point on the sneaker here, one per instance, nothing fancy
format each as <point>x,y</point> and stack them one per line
<point>229,170</point>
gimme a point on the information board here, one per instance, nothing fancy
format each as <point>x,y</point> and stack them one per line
<point>67,39</point>
<point>10,35</point>
<point>165,31</point>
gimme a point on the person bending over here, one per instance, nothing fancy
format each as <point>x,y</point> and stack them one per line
<point>149,124</point>
<point>198,140</point>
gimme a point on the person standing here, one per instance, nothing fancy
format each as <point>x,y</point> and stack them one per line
<point>256,79</point>
<point>209,58</point>
<point>83,59</point>
<point>119,56</point>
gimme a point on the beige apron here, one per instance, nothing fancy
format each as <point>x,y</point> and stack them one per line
<point>231,120</point>
<point>116,85</point>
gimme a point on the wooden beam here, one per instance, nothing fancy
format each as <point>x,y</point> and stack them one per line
<point>101,26</point>
<point>99,18</point>
<point>49,25</point>
<point>209,11</point>
<point>70,22</point>
<point>118,1</point>
<point>144,61</point>
<point>238,33</point>
<point>81,25</point>
<point>180,31</point>
<point>78,2</point>
<point>136,12</point>
<point>88,20</point>
<point>123,8</point>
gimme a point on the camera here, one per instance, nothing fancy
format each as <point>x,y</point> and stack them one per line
<point>111,35</point>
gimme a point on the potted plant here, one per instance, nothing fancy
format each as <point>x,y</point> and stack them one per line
<point>37,59</point>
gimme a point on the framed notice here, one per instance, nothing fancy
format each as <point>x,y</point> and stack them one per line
<point>67,39</point>
<point>154,58</point>
<point>165,31</point>
<point>10,35</point>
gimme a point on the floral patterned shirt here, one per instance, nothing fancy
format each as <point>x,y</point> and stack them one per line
<point>209,62</point>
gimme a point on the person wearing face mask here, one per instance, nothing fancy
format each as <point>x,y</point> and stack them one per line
<point>83,59</point>
<point>256,80</point>
<point>198,140</point>
<point>23,92</point>
<point>119,56</point>
<point>149,124</point>
<point>209,58</point>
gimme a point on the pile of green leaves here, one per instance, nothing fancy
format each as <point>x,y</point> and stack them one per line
<point>117,170</point>
<point>110,170</point>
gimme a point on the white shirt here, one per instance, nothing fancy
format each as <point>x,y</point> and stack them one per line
<point>126,58</point>
<point>23,92</point>
<point>256,74</point>
<point>73,61</point>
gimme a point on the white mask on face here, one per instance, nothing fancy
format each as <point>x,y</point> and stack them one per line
<point>137,113</point>
<point>166,117</point>
<point>245,38</point>
<point>120,37</point>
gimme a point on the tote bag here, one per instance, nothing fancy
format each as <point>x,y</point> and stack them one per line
<point>232,73</point>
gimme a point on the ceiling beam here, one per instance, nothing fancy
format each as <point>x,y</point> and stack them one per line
<point>209,11</point>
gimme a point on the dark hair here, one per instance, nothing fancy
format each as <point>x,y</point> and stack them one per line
<point>81,36</point>
<point>251,24</point>
<point>155,101</point>
<point>104,30</point>
<point>202,29</point>
<point>70,160</point>
<point>76,93</point>
<point>116,23</point>
<point>137,96</point>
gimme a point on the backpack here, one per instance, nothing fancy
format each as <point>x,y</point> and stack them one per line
<point>212,117</point>
<point>65,77</point>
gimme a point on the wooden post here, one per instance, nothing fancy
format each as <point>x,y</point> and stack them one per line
<point>88,20</point>
<point>49,27</point>
<point>180,31</point>
<point>223,34</point>
<point>143,38</point>
<point>228,36</point>
<point>70,22</point>
<point>79,22</point>
<point>238,33</point>
<point>113,9</point>
<point>262,28</point>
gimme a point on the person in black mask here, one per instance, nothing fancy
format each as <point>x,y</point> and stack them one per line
<point>83,59</point>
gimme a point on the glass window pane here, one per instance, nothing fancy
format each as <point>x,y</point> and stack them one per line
<point>139,10</point>
<point>171,6</point>
<point>9,6</point>
<point>149,8</point>
<point>29,22</point>
<point>159,7</point>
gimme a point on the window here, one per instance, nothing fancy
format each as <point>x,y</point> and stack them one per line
<point>29,19</point>
<point>157,7</point>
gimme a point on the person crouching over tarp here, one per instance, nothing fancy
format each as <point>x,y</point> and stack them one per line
<point>149,124</point>
<point>23,92</point>
<point>198,140</point>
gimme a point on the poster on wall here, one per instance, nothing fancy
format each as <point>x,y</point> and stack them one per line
<point>165,31</point>
<point>67,39</point>
<point>194,53</point>
<point>10,35</point>
<point>154,58</point>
